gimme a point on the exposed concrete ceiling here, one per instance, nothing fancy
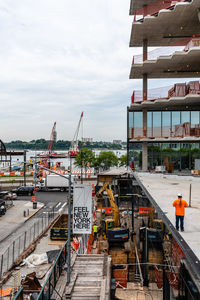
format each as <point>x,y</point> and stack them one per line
<point>179,65</point>
<point>170,27</point>
<point>189,102</point>
<point>187,139</point>
<point>135,4</point>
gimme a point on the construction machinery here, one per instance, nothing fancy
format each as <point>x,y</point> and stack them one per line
<point>48,152</point>
<point>73,150</point>
<point>111,226</point>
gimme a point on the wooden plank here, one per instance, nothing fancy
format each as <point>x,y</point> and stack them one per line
<point>60,287</point>
<point>103,289</point>
<point>108,277</point>
<point>69,288</point>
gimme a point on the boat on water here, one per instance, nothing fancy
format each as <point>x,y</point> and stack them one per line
<point>52,155</point>
<point>73,153</point>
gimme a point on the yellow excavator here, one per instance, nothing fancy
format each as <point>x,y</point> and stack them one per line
<point>110,226</point>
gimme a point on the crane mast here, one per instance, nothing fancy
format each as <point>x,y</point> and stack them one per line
<point>73,151</point>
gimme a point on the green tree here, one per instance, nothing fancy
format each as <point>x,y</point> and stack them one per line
<point>106,159</point>
<point>123,160</point>
<point>85,158</point>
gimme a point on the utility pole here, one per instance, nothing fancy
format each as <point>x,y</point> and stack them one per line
<point>24,167</point>
<point>69,227</point>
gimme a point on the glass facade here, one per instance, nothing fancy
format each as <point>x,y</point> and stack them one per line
<point>135,124</point>
<point>180,156</point>
<point>165,124</point>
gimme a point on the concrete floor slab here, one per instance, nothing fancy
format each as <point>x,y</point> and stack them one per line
<point>164,189</point>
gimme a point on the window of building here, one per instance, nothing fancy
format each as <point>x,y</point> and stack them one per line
<point>166,123</point>
<point>176,120</point>
<point>138,124</point>
<point>157,124</point>
<point>149,124</point>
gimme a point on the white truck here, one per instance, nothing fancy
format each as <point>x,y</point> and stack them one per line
<point>55,182</point>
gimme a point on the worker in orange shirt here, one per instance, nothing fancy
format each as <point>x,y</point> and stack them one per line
<point>180,205</point>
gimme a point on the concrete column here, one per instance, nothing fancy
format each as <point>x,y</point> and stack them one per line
<point>145,123</point>
<point>145,52</point>
<point>144,156</point>
<point>145,49</point>
<point>145,87</point>
<point>144,144</point>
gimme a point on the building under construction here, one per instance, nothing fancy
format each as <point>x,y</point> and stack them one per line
<point>134,245</point>
<point>171,120</point>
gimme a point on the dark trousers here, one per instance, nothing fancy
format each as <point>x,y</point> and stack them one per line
<point>181,219</point>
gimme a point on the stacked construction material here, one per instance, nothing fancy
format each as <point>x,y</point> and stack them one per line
<point>194,42</point>
<point>193,87</point>
<point>182,130</point>
<point>178,90</point>
<point>155,259</point>
<point>197,130</point>
<point>183,89</point>
<point>119,256</point>
<point>121,275</point>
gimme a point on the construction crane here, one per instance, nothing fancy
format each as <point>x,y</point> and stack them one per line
<point>45,156</point>
<point>52,139</point>
<point>73,150</point>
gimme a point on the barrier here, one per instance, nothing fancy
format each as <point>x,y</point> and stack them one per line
<point>89,243</point>
<point>144,210</point>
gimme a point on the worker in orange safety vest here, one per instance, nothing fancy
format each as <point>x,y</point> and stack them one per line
<point>180,205</point>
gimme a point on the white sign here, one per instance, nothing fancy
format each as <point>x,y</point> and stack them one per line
<point>82,209</point>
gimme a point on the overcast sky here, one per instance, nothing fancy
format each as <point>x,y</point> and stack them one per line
<point>61,57</point>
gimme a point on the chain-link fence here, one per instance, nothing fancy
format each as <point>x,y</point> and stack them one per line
<point>22,242</point>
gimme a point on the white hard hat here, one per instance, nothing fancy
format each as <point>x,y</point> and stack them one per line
<point>179,195</point>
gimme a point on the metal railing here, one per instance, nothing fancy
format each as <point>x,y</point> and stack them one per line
<point>23,241</point>
<point>52,278</point>
<point>49,286</point>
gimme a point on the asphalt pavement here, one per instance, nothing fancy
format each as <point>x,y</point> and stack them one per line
<point>54,202</point>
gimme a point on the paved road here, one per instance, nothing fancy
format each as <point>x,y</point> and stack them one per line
<point>12,245</point>
<point>54,201</point>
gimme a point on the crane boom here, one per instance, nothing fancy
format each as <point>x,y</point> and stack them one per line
<point>53,132</point>
<point>74,143</point>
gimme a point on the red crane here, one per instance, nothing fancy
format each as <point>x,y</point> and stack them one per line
<point>73,150</point>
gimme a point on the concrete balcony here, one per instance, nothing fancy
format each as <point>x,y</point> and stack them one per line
<point>181,64</point>
<point>169,27</point>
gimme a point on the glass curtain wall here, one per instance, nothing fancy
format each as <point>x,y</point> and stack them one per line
<point>165,124</point>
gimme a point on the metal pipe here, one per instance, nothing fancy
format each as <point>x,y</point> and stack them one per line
<point>190,195</point>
